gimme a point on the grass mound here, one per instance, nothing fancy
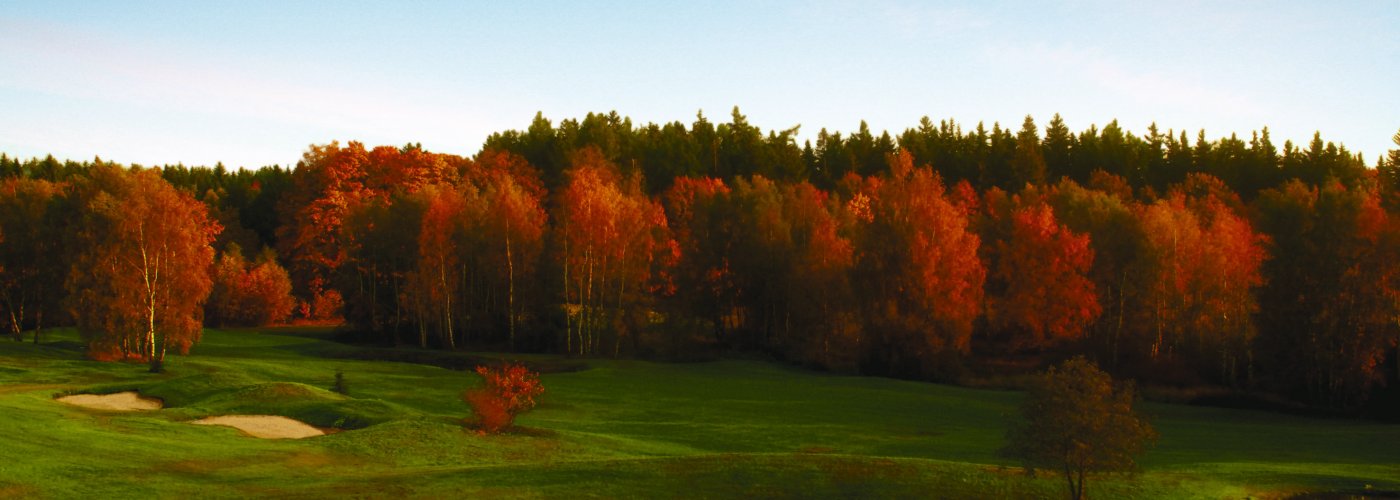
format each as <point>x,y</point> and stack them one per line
<point>273,393</point>
<point>183,390</point>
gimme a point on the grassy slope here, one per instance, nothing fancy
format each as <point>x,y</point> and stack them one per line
<point>621,428</point>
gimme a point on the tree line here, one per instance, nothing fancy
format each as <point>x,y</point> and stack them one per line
<point>932,254</point>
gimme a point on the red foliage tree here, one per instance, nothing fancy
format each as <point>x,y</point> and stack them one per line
<point>1120,269</point>
<point>1044,293</point>
<point>506,392</point>
<point>326,182</point>
<point>249,295</point>
<point>329,183</point>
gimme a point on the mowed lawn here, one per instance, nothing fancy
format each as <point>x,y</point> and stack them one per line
<point>609,429</point>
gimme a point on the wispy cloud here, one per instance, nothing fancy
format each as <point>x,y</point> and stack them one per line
<point>54,60</point>
<point>1095,71</point>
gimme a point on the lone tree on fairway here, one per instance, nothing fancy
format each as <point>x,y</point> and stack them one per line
<point>1076,421</point>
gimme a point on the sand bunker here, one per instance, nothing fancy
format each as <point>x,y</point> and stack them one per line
<point>265,426</point>
<point>121,401</point>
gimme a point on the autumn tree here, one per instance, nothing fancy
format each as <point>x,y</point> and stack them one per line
<point>698,213</point>
<point>327,184</point>
<point>608,237</point>
<point>1074,420</point>
<point>918,271</point>
<point>30,254</point>
<point>447,232</point>
<point>249,294</point>
<point>763,249</point>
<point>513,227</point>
<point>818,289</point>
<point>141,274</point>
<point>1039,289</point>
<point>1330,304</point>
<point>1206,264</point>
<point>381,240</point>
<point>1119,269</point>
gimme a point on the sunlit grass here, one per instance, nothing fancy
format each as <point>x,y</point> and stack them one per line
<point>619,428</point>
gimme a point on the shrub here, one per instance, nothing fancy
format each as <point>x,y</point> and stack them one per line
<point>326,305</point>
<point>249,294</point>
<point>340,386</point>
<point>507,392</point>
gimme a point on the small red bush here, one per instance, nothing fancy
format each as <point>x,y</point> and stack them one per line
<point>508,391</point>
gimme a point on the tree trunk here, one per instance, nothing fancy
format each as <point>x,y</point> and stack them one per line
<point>374,299</point>
<point>16,319</point>
<point>586,344</point>
<point>446,305</point>
<point>39,317</point>
<point>568,319</point>
<point>510,284</point>
<point>398,311</point>
<point>1069,476</point>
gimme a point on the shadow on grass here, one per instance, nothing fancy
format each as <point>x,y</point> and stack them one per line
<point>460,361</point>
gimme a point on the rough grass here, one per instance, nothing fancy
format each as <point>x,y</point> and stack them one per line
<point>614,429</point>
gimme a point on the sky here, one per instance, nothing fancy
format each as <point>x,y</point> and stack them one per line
<point>253,83</point>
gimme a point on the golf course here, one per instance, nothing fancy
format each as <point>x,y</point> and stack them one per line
<point>603,428</point>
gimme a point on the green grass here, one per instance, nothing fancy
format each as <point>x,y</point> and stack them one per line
<point>615,429</point>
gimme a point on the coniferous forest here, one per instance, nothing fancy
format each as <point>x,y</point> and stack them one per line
<point>945,252</point>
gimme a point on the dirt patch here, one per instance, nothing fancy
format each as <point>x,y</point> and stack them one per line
<point>265,426</point>
<point>121,401</point>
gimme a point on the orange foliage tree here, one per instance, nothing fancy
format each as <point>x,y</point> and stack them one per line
<point>513,226</point>
<point>447,232</point>
<point>141,274</point>
<point>1206,265</point>
<point>918,269</point>
<point>608,235</point>
<point>818,290</point>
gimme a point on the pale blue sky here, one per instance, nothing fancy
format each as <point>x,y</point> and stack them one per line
<point>253,83</point>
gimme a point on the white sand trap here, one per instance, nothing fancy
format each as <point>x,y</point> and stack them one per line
<point>121,401</point>
<point>265,426</point>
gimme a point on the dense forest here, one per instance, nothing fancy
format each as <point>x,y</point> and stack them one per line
<point>940,253</point>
